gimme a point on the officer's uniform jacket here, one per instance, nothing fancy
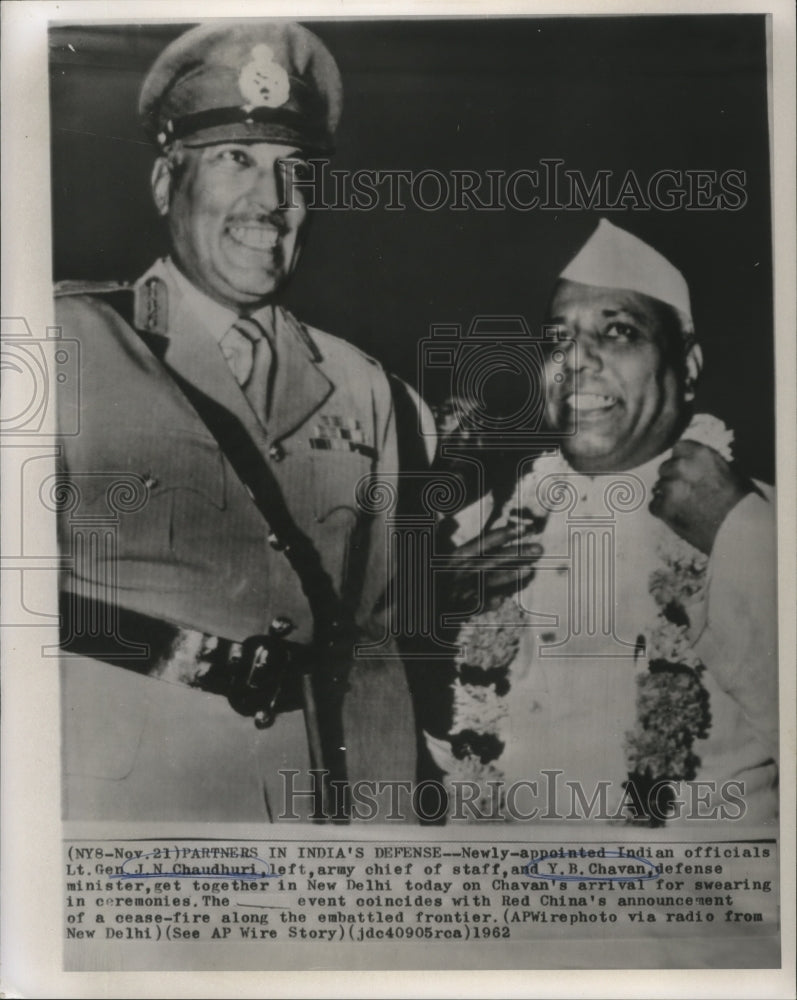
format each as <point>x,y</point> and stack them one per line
<point>190,546</point>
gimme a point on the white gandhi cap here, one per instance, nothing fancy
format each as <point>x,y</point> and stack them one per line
<point>613,258</point>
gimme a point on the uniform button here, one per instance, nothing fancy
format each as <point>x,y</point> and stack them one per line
<point>276,453</point>
<point>275,542</point>
<point>281,625</point>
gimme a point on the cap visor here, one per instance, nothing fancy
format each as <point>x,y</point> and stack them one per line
<point>272,132</point>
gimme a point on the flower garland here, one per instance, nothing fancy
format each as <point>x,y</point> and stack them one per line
<point>672,705</point>
<point>488,645</point>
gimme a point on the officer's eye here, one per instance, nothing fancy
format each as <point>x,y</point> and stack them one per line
<point>297,169</point>
<point>233,155</point>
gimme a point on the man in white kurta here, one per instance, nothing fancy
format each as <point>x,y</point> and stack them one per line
<point>654,548</point>
<point>573,684</point>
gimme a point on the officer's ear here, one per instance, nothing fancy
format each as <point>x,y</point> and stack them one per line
<point>161,182</point>
<point>693,365</point>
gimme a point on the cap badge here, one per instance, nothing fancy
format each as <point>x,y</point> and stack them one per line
<point>263,82</point>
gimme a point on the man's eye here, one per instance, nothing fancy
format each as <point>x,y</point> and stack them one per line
<point>620,331</point>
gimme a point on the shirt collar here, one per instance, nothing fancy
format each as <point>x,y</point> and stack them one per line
<point>213,316</point>
<point>648,472</point>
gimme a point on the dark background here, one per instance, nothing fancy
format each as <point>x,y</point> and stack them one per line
<point>643,93</point>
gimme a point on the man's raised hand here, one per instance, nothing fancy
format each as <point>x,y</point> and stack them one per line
<point>695,492</point>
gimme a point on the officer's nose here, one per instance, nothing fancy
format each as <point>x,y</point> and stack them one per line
<point>267,188</point>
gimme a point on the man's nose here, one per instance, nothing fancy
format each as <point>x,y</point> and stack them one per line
<point>583,351</point>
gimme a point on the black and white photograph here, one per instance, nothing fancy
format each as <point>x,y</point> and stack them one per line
<point>401,480</point>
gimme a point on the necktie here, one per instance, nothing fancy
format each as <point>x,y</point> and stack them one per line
<point>247,351</point>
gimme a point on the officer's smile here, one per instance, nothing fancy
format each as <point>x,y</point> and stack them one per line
<point>255,237</point>
<point>260,231</point>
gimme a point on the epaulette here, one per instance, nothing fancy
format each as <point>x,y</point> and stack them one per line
<point>120,295</point>
<point>91,287</point>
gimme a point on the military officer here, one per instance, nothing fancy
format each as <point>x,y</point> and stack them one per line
<point>213,487</point>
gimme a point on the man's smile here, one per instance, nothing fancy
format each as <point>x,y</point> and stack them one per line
<point>589,402</point>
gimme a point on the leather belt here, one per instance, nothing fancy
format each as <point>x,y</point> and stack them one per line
<point>260,676</point>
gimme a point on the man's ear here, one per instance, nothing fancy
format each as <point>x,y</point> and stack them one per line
<point>161,182</point>
<point>693,363</point>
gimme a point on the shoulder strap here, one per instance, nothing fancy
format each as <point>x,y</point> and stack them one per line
<point>253,471</point>
<point>333,625</point>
